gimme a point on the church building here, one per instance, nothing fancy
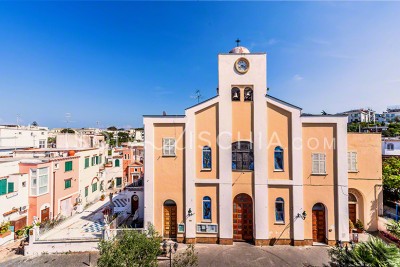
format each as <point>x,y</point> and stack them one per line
<point>246,166</point>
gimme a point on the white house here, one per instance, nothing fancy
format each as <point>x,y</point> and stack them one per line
<point>360,115</point>
<point>391,146</point>
<point>13,196</point>
<point>23,136</point>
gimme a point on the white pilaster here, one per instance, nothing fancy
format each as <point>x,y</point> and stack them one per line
<point>190,175</point>
<point>342,210</point>
<point>148,172</point>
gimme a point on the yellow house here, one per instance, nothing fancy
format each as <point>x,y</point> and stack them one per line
<point>244,165</point>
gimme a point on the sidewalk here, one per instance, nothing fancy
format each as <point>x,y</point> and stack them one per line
<point>86,225</point>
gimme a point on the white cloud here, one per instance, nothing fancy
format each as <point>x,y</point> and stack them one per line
<point>297,77</point>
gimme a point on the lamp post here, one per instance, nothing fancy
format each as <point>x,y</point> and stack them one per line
<point>169,247</point>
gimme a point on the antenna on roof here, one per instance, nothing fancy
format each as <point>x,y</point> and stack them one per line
<point>197,95</point>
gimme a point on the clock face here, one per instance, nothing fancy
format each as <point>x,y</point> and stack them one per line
<point>242,65</point>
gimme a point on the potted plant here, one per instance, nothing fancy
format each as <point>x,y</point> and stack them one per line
<point>4,229</point>
<point>351,226</point>
<point>360,226</point>
<point>102,197</point>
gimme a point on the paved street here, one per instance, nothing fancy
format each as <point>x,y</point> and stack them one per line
<point>240,254</point>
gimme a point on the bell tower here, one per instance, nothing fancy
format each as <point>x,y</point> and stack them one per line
<point>242,78</point>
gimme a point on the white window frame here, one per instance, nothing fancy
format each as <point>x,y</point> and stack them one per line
<point>42,143</point>
<point>352,161</point>
<point>40,178</point>
<point>320,159</point>
<point>168,144</point>
<point>34,184</point>
<point>391,146</point>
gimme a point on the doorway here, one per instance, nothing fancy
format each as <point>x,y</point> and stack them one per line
<point>45,214</point>
<point>170,219</point>
<point>243,218</point>
<point>319,223</point>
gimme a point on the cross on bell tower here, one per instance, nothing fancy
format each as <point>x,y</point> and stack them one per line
<point>237,42</point>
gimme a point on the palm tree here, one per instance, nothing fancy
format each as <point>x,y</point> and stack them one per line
<point>374,253</point>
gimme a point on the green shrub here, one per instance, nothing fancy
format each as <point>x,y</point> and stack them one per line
<point>359,225</point>
<point>394,228</point>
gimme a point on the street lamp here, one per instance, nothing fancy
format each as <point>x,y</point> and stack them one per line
<point>169,247</point>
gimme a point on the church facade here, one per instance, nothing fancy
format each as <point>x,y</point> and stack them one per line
<point>245,166</point>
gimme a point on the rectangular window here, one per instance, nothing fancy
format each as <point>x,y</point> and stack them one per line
<point>42,143</point>
<point>168,147</point>
<point>87,162</point>
<point>207,228</point>
<point>67,183</point>
<point>94,187</point>
<point>43,180</point>
<point>68,166</point>
<point>3,187</point>
<point>100,159</point>
<point>318,163</point>
<point>206,164</point>
<point>86,191</point>
<point>33,182</point>
<point>10,187</point>
<point>94,160</point>
<point>352,161</point>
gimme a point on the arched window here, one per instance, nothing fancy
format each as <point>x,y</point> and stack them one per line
<point>278,158</point>
<point>117,163</point>
<point>248,94</point>
<point>235,93</point>
<point>352,198</point>
<point>242,156</point>
<point>279,210</point>
<point>206,209</point>
<point>206,165</point>
<point>390,146</point>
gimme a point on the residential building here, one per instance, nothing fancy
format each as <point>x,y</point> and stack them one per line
<point>244,165</point>
<point>80,140</point>
<point>392,114</point>
<point>360,115</point>
<point>390,147</point>
<point>16,136</point>
<point>53,186</point>
<point>13,194</point>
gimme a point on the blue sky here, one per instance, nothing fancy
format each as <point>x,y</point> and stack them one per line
<point>112,62</point>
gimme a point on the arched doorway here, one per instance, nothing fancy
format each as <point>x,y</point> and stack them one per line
<point>319,223</point>
<point>243,218</point>
<point>134,204</point>
<point>170,221</point>
<point>352,208</point>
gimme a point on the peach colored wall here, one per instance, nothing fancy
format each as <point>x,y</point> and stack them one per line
<point>206,135</point>
<point>365,184</point>
<point>278,230</point>
<point>36,202</point>
<point>279,134</point>
<point>212,192</point>
<point>317,138</point>
<point>242,182</point>
<point>168,173</point>
<point>60,176</point>
<point>242,119</point>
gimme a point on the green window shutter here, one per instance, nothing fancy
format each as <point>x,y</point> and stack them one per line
<point>93,161</point>
<point>119,181</point>
<point>67,183</point>
<point>68,166</point>
<point>94,187</point>
<point>117,163</point>
<point>3,187</point>
<point>86,191</point>
<point>10,187</point>
<point>86,163</point>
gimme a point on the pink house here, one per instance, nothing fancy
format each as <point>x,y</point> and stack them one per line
<point>53,186</point>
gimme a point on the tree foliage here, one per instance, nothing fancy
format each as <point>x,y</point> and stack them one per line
<point>187,258</point>
<point>394,228</point>
<point>393,130</point>
<point>130,249</point>
<point>67,130</point>
<point>112,128</point>
<point>374,253</point>
<point>391,178</point>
